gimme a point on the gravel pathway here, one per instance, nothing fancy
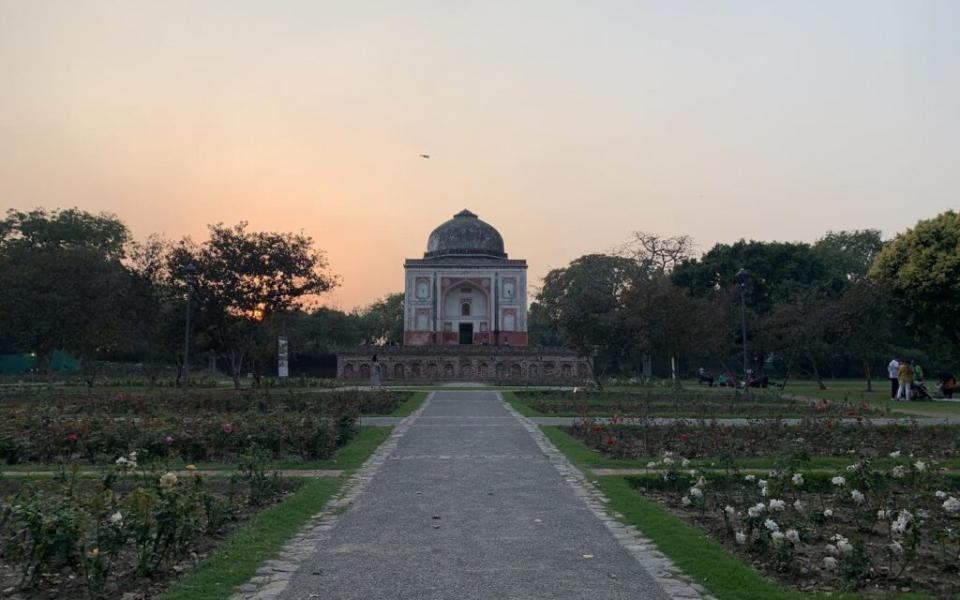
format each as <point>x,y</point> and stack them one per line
<point>469,500</point>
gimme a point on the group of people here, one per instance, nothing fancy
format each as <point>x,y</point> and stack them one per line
<point>729,379</point>
<point>906,381</point>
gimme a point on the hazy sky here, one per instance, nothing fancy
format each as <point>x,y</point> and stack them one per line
<point>566,125</point>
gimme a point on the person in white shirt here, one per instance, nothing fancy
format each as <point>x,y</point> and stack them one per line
<point>892,370</point>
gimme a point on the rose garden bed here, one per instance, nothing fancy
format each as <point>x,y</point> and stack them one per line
<point>820,437</point>
<point>876,531</point>
<point>663,402</point>
<point>191,426</point>
<point>130,532</point>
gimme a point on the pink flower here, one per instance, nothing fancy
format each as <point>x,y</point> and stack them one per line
<point>228,428</point>
<point>168,440</point>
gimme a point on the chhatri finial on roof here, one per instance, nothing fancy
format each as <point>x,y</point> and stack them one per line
<point>465,214</point>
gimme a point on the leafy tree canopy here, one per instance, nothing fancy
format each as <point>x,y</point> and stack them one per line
<point>922,268</point>
<point>40,229</point>
<point>776,271</point>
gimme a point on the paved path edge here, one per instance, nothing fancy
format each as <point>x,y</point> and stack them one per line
<point>274,575</point>
<point>668,576</point>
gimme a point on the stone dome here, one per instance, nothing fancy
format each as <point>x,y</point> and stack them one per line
<point>465,234</point>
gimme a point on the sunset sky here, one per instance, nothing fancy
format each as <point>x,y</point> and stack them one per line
<point>566,125</point>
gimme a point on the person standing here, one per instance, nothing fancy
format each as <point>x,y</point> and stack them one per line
<point>917,372</point>
<point>905,378</point>
<point>892,372</point>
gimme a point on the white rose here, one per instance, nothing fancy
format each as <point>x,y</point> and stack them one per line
<point>951,505</point>
<point>920,466</point>
<point>741,538</point>
<point>696,493</point>
<point>777,538</point>
<point>771,525</point>
<point>797,479</point>
<point>798,506</point>
<point>794,536</point>
<point>116,518</point>
<point>828,513</point>
<point>777,505</point>
<point>838,481</point>
<point>895,454</point>
<point>857,496</point>
<point>750,478</point>
<point>940,494</point>
<point>830,563</point>
<point>898,472</point>
<point>832,550</point>
<point>685,501</point>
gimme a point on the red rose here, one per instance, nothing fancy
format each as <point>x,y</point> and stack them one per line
<point>72,438</point>
<point>684,437</point>
<point>228,428</point>
<point>611,441</point>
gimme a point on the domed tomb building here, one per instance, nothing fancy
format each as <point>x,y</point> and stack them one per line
<point>465,290</point>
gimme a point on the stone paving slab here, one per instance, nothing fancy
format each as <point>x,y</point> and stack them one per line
<point>455,512</point>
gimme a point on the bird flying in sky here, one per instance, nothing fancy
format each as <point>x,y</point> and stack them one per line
<point>424,156</point>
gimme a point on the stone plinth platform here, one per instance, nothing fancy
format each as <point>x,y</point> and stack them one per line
<point>501,364</point>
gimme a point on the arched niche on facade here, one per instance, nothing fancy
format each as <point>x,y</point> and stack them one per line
<point>348,371</point>
<point>465,300</point>
<point>364,370</point>
<point>398,371</point>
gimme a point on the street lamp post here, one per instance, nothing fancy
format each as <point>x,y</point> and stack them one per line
<point>188,270</point>
<point>742,278</point>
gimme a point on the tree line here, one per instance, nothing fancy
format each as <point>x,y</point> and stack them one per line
<point>76,281</point>
<point>841,306</point>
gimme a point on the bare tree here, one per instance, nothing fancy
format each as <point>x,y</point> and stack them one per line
<point>657,254</point>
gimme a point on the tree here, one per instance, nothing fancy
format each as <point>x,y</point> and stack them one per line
<point>864,325</point>
<point>797,332</point>
<point>777,271</point>
<point>848,254</point>
<point>541,328</point>
<point>922,269</point>
<point>382,321</point>
<point>664,320</point>
<point>239,279</point>
<point>656,254</point>
<point>584,299</point>
<point>64,285</point>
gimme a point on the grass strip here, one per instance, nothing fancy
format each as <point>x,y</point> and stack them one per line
<point>700,557</point>
<point>409,405</point>
<point>235,561</point>
<point>520,406</point>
